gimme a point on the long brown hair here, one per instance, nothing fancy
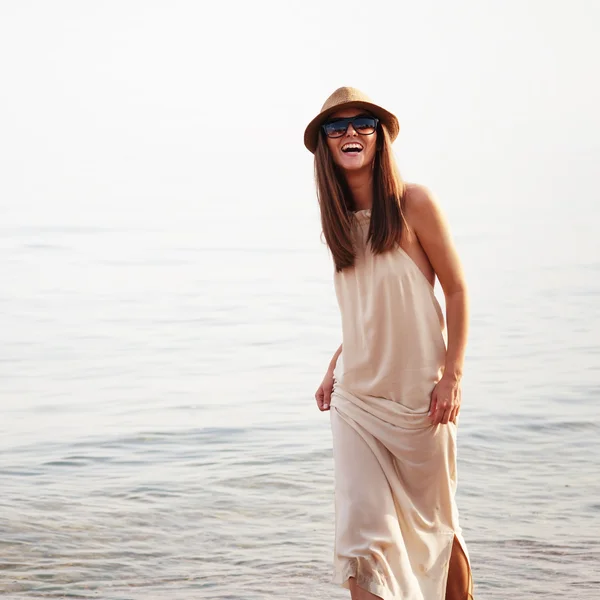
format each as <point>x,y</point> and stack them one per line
<point>387,223</point>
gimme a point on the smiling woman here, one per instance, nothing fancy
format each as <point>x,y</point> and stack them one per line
<point>393,386</point>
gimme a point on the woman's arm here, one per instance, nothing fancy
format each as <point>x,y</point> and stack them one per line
<point>433,234</point>
<point>457,317</point>
<point>333,361</point>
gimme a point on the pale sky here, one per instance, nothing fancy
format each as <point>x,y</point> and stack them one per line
<point>191,114</point>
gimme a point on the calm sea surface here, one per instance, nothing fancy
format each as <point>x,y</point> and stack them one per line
<point>158,433</point>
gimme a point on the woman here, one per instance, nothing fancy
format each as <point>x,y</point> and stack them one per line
<point>393,386</point>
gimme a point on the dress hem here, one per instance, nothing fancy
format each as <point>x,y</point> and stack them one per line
<point>367,582</point>
<point>371,582</point>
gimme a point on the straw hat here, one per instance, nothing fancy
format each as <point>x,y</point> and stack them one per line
<point>348,97</point>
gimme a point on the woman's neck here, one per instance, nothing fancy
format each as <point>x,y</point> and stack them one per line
<point>361,188</point>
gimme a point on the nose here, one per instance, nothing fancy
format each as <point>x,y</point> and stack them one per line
<point>351,130</point>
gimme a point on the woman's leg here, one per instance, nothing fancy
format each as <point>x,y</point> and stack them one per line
<point>459,575</point>
<point>358,593</point>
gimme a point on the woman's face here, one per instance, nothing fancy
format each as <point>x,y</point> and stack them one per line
<point>339,147</point>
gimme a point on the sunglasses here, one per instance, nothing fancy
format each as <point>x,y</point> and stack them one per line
<point>362,124</point>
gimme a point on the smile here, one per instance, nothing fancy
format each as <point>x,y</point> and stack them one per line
<point>352,148</point>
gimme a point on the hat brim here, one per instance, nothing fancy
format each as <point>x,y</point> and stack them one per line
<point>311,133</point>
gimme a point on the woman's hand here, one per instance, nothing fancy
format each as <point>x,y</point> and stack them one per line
<point>445,401</point>
<point>323,395</point>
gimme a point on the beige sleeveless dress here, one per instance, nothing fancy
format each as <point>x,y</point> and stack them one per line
<point>395,473</point>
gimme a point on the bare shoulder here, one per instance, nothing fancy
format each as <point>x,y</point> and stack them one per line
<point>420,203</point>
<point>423,212</point>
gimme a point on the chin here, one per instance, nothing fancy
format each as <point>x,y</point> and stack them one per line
<point>352,166</point>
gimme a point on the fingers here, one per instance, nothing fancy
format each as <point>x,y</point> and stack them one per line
<point>456,407</point>
<point>323,398</point>
<point>441,412</point>
<point>433,405</point>
<point>327,398</point>
<point>319,397</point>
<point>454,413</point>
<point>457,410</point>
<point>446,415</point>
<point>437,410</point>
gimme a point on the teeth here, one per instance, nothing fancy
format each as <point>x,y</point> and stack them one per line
<point>349,147</point>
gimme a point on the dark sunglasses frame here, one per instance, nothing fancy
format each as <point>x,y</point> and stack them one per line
<point>346,121</point>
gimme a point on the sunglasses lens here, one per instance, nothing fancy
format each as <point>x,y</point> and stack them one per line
<point>336,128</point>
<point>365,125</point>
